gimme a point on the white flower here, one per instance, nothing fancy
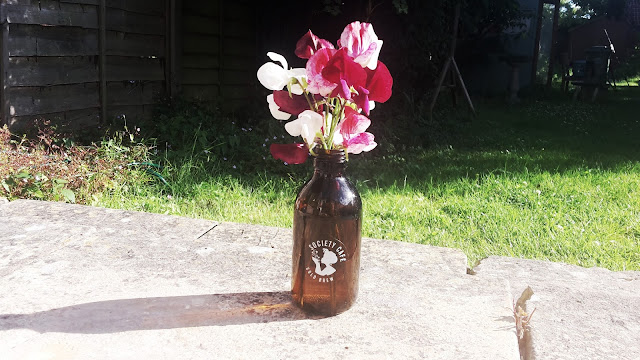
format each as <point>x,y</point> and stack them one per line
<point>307,125</point>
<point>276,77</point>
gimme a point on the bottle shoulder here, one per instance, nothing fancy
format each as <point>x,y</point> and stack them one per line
<point>330,196</point>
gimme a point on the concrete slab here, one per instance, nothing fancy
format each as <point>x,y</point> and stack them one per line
<point>83,282</point>
<point>579,313</point>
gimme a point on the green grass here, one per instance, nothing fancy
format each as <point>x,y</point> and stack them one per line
<point>545,179</point>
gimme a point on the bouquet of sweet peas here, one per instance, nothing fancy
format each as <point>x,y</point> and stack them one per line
<point>331,97</point>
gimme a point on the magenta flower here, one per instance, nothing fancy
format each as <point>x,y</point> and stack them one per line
<point>345,73</point>
<point>290,153</point>
<point>309,44</point>
<point>377,88</point>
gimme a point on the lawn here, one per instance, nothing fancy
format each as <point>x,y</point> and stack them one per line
<point>548,178</point>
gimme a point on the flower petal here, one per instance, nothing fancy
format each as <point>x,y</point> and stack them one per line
<point>275,109</point>
<point>342,67</point>
<point>272,76</point>
<point>290,153</point>
<point>353,124</point>
<point>293,105</point>
<point>307,125</point>
<point>309,44</point>
<point>316,63</point>
<point>361,43</point>
<point>379,83</point>
<point>278,58</point>
<point>362,142</point>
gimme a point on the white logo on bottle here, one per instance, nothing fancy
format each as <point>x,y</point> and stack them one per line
<point>325,254</point>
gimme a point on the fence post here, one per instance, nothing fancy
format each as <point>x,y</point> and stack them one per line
<point>173,47</point>
<point>5,110</point>
<point>102,55</point>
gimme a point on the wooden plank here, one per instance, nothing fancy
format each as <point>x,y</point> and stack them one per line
<point>244,63</point>
<point>35,40</point>
<point>51,99</point>
<point>43,71</point>
<point>124,44</point>
<point>68,120</point>
<point>239,47</point>
<point>4,69</point>
<point>200,44</point>
<point>200,76</point>
<point>131,68</point>
<point>49,4</point>
<point>238,10</point>
<point>197,61</point>
<point>132,113</point>
<point>235,77</point>
<point>85,2</point>
<point>125,21</point>
<point>201,92</point>
<point>205,8</point>
<point>235,91</point>
<point>81,8</point>
<point>134,93</point>
<point>199,24</point>
<point>32,14</point>
<point>149,7</point>
<point>239,30</point>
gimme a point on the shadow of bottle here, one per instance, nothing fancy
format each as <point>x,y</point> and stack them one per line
<point>160,313</point>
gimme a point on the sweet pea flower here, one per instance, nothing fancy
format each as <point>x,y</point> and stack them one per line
<point>351,133</point>
<point>377,88</point>
<point>362,44</point>
<point>276,77</point>
<point>307,125</point>
<point>309,44</point>
<point>344,72</point>
<point>290,153</point>
<point>316,63</point>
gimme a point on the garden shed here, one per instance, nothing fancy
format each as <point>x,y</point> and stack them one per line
<point>78,62</point>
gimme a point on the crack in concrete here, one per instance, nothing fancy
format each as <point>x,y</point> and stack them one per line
<point>206,231</point>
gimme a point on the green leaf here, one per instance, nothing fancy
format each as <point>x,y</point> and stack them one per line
<point>68,195</point>
<point>23,175</point>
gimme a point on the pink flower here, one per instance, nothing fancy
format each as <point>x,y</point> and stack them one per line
<point>316,63</point>
<point>290,153</point>
<point>309,44</point>
<point>352,133</point>
<point>362,44</point>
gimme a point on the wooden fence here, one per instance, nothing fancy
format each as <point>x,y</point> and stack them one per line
<point>80,61</point>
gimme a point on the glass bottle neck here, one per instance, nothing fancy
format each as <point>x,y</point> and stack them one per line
<point>330,163</point>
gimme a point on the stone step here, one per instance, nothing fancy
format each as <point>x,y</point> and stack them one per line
<point>579,313</point>
<point>85,282</point>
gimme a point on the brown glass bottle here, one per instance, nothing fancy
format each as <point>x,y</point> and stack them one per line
<point>327,225</point>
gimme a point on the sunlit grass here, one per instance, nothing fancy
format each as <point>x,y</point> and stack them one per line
<point>545,179</point>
